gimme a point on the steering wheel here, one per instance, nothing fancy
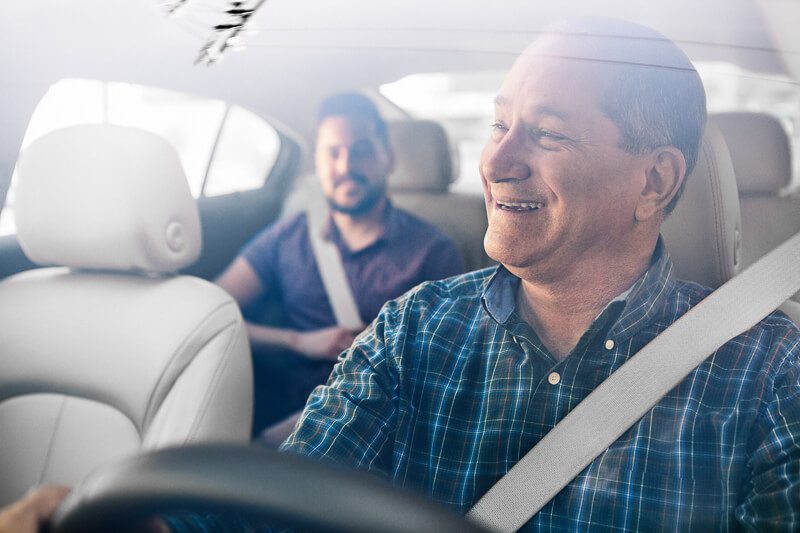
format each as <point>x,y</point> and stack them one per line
<point>279,486</point>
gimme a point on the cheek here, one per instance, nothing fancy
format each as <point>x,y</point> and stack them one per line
<point>325,180</point>
<point>591,180</point>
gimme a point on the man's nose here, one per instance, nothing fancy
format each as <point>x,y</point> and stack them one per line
<point>507,158</point>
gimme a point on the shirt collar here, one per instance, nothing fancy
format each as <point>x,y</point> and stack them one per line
<point>499,295</point>
<point>390,219</point>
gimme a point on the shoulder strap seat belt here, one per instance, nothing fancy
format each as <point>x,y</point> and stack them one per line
<point>331,269</point>
<point>630,392</point>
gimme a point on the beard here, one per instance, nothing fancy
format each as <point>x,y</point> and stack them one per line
<point>372,196</point>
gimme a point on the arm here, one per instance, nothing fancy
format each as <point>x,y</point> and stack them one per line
<point>352,419</point>
<point>772,498</point>
<point>242,282</point>
<point>349,421</point>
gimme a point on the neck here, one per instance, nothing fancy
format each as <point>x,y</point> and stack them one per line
<point>560,311</point>
<point>360,231</point>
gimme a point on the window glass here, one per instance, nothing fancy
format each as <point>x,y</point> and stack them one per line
<point>730,88</point>
<point>67,103</point>
<point>245,153</point>
<point>246,145</point>
<point>189,123</point>
<point>462,103</point>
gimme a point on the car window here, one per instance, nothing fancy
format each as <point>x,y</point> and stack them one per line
<point>223,148</point>
<point>462,102</point>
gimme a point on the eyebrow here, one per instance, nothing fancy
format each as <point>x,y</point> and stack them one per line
<point>542,109</point>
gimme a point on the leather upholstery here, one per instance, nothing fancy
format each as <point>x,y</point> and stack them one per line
<point>420,184</point>
<point>763,164</point>
<point>83,205</point>
<point>100,364</point>
<point>423,160</point>
<point>703,233</point>
<point>759,150</point>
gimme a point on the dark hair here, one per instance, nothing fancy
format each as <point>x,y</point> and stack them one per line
<point>353,104</point>
<point>656,97</point>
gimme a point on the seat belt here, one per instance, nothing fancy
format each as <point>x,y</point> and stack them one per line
<point>331,269</point>
<point>630,392</point>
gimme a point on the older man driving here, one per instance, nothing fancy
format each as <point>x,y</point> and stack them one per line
<point>588,152</point>
<point>455,381</point>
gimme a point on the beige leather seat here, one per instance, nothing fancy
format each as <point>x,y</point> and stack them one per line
<point>420,184</point>
<point>112,352</point>
<point>703,234</point>
<point>762,161</point>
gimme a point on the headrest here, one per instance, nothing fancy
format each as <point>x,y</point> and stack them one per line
<point>106,197</point>
<point>703,233</point>
<point>759,149</point>
<point>422,157</point>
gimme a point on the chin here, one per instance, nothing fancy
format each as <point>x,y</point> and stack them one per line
<point>514,254</point>
<point>505,251</point>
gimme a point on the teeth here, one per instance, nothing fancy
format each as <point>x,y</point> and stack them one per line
<point>520,205</point>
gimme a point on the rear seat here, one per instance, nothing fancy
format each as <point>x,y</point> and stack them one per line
<point>762,163</point>
<point>420,184</point>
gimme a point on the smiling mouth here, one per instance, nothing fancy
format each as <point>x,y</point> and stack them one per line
<point>520,207</point>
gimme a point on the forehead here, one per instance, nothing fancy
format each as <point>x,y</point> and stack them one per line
<point>551,76</point>
<point>346,130</point>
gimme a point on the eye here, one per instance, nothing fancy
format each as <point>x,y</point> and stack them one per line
<point>547,134</point>
<point>499,129</point>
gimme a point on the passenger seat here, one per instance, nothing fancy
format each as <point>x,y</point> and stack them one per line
<point>762,162</point>
<point>111,352</point>
<point>420,184</point>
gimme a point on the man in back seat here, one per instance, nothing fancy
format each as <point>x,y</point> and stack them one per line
<point>385,251</point>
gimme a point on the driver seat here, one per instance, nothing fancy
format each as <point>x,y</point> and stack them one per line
<point>703,234</point>
<point>111,352</point>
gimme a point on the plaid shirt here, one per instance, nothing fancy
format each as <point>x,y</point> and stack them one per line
<point>449,388</point>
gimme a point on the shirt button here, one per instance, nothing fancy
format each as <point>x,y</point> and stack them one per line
<point>553,378</point>
<point>609,344</point>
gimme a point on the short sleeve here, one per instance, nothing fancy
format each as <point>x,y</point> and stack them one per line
<point>262,253</point>
<point>351,420</point>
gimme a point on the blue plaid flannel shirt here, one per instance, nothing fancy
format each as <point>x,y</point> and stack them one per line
<point>449,388</point>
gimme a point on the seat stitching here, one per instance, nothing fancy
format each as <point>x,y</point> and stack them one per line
<point>169,392</point>
<point>213,388</point>
<point>53,434</point>
<point>151,408</point>
<point>716,199</point>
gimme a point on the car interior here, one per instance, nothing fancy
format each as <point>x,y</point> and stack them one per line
<point>94,387</point>
<point>114,340</point>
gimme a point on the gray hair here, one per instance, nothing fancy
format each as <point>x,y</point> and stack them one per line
<point>656,97</point>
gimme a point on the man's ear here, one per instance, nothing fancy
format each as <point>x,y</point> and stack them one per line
<point>665,173</point>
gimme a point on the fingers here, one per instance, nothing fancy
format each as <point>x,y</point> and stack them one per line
<point>31,512</point>
<point>46,500</point>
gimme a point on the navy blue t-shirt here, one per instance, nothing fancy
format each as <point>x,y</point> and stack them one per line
<point>410,251</point>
